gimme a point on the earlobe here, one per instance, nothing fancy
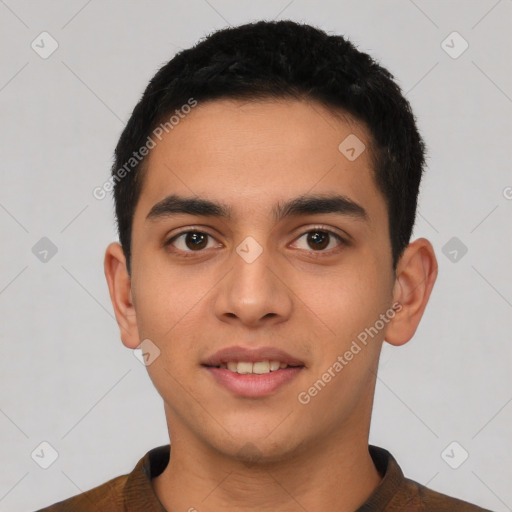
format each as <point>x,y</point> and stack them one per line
<point>119,286</point>
<point>415,277</point>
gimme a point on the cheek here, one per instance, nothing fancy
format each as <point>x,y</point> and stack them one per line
<point>164,292</point>
<point>172,307</point>
<point>345,301</point>
<point>339,310</point>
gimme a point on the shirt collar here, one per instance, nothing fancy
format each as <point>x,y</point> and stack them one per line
<point>392,479</point>
<point>140,495</point>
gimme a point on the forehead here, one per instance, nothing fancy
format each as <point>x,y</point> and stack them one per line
<point>252,155</point>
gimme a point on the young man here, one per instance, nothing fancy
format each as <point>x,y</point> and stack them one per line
<point>265,190</point>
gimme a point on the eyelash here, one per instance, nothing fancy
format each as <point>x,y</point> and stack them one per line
<point>319,253</point>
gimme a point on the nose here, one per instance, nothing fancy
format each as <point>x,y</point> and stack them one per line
<point>254,293</point>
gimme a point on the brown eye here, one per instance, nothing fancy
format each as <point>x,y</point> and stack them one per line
<point>318,239</point>
<point>195,240</point>
<point>190,241</point>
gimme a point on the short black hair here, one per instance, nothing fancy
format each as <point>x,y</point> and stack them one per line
<point>281,59</point>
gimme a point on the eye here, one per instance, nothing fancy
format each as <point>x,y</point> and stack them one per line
<point>319,240</point>
<point>190,241</point>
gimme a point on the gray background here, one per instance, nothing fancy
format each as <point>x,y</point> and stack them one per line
<point>65,376</point>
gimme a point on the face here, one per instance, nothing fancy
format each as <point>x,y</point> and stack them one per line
<point>268,273</point>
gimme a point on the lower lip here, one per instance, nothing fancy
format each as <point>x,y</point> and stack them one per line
<point>251,385</point>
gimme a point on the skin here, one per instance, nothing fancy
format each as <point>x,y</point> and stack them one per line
<point>271,453</point>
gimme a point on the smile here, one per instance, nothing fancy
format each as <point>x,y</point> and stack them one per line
<point>250,372</point>
<point>257,368</point>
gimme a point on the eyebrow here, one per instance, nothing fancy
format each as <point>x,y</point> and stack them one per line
<point>302,205</point>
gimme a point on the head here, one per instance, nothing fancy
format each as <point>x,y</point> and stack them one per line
<point>280,60</point>
<point>295,162</point>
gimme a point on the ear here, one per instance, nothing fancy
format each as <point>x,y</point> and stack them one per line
<point>119,286</point>
<point>416,274</point>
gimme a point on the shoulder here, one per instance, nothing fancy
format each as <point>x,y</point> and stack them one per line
<point>108,496</point>
<point>396,493</point>
<point>132,491</point>
<point>419,498</point>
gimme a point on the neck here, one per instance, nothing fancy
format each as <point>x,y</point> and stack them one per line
<point>337,474</point>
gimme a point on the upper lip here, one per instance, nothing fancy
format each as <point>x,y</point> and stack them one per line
<point>251,355</point>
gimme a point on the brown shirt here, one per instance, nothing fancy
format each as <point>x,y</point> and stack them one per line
<point>134,492</point>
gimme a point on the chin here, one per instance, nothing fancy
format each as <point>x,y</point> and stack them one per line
<point>254,448</point>
<point>254,454</point>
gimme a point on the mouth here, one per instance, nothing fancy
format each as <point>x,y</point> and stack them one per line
<point>256,368</point>
<point>253,373</point>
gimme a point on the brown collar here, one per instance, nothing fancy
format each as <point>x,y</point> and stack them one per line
<point>140,495</point>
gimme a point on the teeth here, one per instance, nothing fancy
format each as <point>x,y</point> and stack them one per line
<point>258,368</point>
<point>261,367</point>
<point>274,365</point>
<point>244,368</point>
